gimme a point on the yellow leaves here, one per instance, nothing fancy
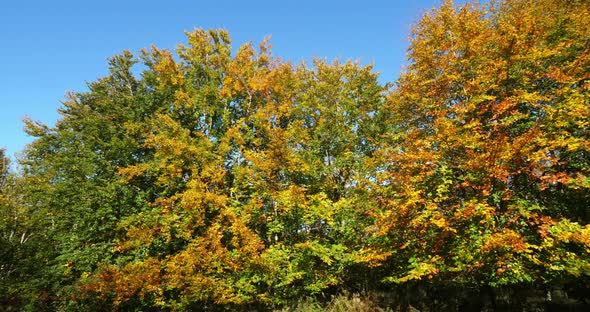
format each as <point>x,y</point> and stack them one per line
<point>372,257</point>
<point>259,171</point>
<point>508,239</point>
<point>137,235</point>
<point>567,231</point>
<point>183,99</point>
<point>318,250</point>
<point>247,243</point>
<point>35,128</point>
<point>491,111</point>
<point>255,75</point>
<point>319,207</point>
<point>210,48</point>
<point>168,70</point>
<point>581,181</point>
<point>130,172</point>
<point>440,222</point>
<point>240,71</point>
<point>419,269</point>
<point>291,198</point>
<point>430,216</point>
<point>68,267</point>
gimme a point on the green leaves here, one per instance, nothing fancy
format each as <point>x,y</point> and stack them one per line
<point>481,153</point>
<point>238,179</point>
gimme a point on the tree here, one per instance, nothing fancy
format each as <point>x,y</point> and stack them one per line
<point>70,183</point>
<point>258,164</point>
<point>485,172</point>
<point>10,240</point>
<point>21,243</point>
<point>238,180</point>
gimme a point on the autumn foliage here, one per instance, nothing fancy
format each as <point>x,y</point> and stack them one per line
<point>224,177</point>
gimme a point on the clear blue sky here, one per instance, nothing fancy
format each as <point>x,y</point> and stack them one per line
<point>50,47</point>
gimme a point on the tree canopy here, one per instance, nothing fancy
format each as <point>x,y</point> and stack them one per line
<point>231,178</point>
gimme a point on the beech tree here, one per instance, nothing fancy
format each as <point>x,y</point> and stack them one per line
<point>257,162</point>
<point>485,173</point>
<point>229,178</point>
<point>70,182</point>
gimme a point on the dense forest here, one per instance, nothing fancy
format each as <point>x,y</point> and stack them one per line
<point>213,178</point>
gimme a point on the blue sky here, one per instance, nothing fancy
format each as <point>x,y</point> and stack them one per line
<point>50,47</point>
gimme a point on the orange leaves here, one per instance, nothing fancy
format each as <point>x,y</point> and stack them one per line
<point>508,239</point>
<point>254,74</point>
<point>268,176</point>
<point>489,124</point>
<point>474,210</point>
<point>141,278</point>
